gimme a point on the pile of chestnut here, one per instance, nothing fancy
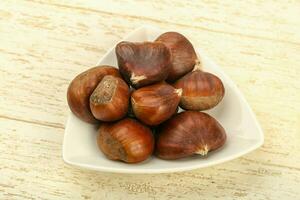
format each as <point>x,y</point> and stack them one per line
<point>137,104</point>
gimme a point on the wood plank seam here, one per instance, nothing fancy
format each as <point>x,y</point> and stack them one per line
<point>52,125</point>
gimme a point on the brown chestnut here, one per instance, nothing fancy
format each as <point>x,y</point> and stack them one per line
<point>144,63</point>
<point>183,55</point>
<point>110,99</point>
<point>81,88</point>
<point>200,90</point>
<point>189,133</point>
<point>155,103</point>
<point>126,140</point>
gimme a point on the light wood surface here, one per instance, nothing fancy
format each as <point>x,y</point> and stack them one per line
<point>44,44</point>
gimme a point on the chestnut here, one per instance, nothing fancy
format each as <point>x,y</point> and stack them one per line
<point>200,90</point>
<point>82,86</point>
<point>143,63</point>
<point>183,55</point>
<point>155,103</point>
<point>189,133</point>
<point>126,140</point>
<point>110,99</point>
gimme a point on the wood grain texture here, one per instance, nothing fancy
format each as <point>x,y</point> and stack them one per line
<point>44,44</point>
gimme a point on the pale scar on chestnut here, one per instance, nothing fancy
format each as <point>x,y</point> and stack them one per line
<point>116,148</point>
<point>104,91</point>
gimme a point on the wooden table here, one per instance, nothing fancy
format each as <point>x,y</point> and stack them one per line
<point>45,44</point>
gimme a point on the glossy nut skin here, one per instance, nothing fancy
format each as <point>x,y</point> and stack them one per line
<point>82,86</point>
<point>126,140</point>
<point>155,103</point>
<point>189,133</point>
<point>200,90</point>
<point>144,63</point>
<point>110,99</point>
<point>183,55</point>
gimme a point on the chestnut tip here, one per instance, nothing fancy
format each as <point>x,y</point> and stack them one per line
<point>198,65</point>
<point>136,79</point>
<point>178,92</point>
<point>202,150</point>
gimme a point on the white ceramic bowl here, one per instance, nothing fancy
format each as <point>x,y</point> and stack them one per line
<point>243,131</point>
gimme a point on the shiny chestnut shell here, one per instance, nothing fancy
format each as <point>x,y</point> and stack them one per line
<point>82,86</point>
<point>110,99</point>
<point>189,133</point>
<point>143,63</point>
<point>126,140</point>
<point>200,90</point>
<point>183,55</point>
<point>155,103</point>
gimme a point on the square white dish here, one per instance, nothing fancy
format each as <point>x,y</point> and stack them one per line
<point>243,131</point>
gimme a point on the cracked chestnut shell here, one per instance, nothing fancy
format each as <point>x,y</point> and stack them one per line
<point>183,55</point>
<point>189,133</point>
<point>110,99</point>
<point>82,86</point>
<point>144,63</point>
<point>200,90</point>
<point>155,103</point>
<point>126,140</point>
